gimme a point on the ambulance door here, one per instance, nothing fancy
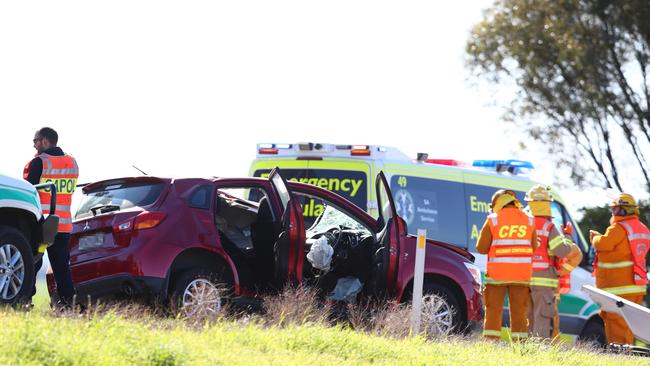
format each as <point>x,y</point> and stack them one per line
<point>389,238</point>
<point>289,248</point>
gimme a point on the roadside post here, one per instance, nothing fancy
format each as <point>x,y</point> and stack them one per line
<point>418,281</point>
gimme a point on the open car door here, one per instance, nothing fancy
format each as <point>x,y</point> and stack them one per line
<point>289,249</point>
<point>389,239</point>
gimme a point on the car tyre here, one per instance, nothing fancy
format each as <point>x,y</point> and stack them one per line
<point>198,294</point>
<point>594,332</point>
<point>441,312</point>
<point>16,267</point>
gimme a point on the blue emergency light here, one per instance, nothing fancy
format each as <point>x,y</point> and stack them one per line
<point>512,165</point>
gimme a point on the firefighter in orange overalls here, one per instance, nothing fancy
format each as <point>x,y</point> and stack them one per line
<point>620,266</point>
<point>508,238</point>
<point>547,263</point>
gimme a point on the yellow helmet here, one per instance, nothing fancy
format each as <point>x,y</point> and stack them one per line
<point>623,199</point>
<point>503,197</point>
<point>539,193</point>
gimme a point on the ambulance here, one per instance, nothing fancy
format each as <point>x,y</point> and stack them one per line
<point>448,198</point>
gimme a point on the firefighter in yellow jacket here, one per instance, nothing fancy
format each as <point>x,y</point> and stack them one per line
<point>508,238</point>
<point>547,263</point>
<point>620,266</point>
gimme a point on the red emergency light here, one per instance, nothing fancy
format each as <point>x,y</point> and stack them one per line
<point>267,151</point>
<point>360,150</point>
<point>450,162</point>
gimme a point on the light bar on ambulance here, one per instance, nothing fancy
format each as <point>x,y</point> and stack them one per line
<point>271,149</point>
<point>512,165</point>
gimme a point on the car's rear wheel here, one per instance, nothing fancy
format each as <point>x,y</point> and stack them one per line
<point>16,267</point>
<point>198,294</point>
<point>440,311</point>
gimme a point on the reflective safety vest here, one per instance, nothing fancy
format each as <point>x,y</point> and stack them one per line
<point>542,257</point>
<point>639,237</point>
<point>63,172</point>
<point>511,251</point>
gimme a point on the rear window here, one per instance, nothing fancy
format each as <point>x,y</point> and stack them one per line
<point>352,185</point>
<point>118,197</point>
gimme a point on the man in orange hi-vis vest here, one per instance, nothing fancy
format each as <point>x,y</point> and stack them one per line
<point>620,266</point>
<point>547,263</point>
<point>509,239</point>
<point>52,165</point>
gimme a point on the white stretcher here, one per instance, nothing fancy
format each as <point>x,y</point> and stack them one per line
<point>636,316</point>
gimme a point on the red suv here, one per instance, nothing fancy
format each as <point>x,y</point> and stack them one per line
<point>198,242</point>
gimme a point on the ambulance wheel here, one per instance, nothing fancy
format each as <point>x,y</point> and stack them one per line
<point>441,314</point>
<point>16,267</point>
<point>594,332</point>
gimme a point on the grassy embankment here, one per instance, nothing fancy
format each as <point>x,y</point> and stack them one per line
<point>125,337</point>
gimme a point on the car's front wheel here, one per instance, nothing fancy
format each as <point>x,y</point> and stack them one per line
<point>440,311</point>
<point>198,294</point>
<point>16,267</point>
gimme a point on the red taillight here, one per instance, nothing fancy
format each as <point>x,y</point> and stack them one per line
<point>145,220</point>
<point>271,151</point>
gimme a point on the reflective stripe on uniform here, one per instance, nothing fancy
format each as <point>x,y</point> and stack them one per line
<point>615,264</point>
<point>545,229</point>
<point>63,220</point>
<point>510,260</point>
<point>541,265</point>
<point>60,171</point>
<point>511,242</point>
<point>638,236</point>
<point>568,267</point>
<point>490,281</point>
<point>625,290</point>
<point>519,335</point>
<point>544,282</point>
<point>553,243</point>
<point>491,333</point>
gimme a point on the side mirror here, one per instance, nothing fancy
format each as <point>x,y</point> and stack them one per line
<point>52,188</point>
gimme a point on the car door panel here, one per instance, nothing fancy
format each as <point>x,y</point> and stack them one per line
<point>290,246</point>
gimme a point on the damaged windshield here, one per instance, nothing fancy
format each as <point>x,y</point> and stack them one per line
<point>332,217</point>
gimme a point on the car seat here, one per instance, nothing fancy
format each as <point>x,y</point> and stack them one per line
<point>264,231</point>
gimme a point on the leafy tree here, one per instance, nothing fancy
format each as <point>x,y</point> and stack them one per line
<point>581,66</point>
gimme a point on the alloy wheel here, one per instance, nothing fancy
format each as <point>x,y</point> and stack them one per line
<point>437,316</point>
<point>12,271</point>
<point>201,299</point>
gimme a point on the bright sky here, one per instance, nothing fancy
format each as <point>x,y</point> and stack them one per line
<point>188,88</point>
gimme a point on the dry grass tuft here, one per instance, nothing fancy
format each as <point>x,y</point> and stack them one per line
<point>295,306</point>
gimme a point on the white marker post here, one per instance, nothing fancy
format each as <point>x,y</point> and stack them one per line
<point>418,281</point>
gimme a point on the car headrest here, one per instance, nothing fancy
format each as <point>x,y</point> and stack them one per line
<point>264,211</point>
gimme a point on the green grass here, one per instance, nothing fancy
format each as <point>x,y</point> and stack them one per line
<point>131,337</point>
<point>41,337</point>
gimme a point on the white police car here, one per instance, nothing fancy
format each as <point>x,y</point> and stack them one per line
<point>23,229</point>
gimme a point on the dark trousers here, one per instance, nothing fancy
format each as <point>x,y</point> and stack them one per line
<point>59,255</point>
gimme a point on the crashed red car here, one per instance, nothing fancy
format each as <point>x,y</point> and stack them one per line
<point>199,242</point>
